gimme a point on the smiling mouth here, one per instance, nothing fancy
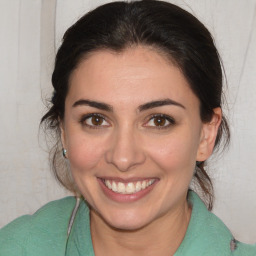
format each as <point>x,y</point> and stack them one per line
<point>129,187</point>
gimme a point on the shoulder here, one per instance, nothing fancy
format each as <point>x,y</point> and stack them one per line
<point>46,228</point>
<point>208,235</point>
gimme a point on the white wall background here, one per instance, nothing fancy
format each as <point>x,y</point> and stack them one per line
<point>30,30</point>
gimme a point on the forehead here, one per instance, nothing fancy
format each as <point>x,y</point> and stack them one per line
<point>133,75</point>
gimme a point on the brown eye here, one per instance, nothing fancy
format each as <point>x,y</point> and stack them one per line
<point>94,120</point>
<point>159,121</point>
<point>97,120</point>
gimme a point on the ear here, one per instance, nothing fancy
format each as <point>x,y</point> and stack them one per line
<point>208,135</point>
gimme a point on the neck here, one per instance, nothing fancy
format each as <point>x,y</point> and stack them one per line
<point>161,237</point>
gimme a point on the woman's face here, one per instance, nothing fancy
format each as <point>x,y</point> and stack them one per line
<point>133,133</point>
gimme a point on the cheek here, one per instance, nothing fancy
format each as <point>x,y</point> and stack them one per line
<point>84,153</point>
<point>174,152</point>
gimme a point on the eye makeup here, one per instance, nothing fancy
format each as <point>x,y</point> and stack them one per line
<point>94,121</point>
<point>160,121</point>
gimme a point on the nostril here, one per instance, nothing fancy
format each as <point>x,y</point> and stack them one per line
<point>124,149</point>
<point>124,160</point>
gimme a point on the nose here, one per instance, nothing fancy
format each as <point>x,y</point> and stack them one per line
<point>125,150</point>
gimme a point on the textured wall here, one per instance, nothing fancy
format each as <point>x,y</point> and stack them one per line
<point>30,31</point>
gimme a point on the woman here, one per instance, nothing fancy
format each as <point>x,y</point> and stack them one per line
<point>136,111</point>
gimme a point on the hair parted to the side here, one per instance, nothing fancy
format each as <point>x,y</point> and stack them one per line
<point>160,25</point>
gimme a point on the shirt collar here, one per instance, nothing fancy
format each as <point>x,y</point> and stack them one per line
<point>206,234</point>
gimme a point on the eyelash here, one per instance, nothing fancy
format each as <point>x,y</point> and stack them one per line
<point>88,116</point>
<point>151,118</point>
<point>166,118</point>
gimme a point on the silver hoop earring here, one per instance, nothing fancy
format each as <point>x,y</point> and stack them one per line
<point>64,153</point>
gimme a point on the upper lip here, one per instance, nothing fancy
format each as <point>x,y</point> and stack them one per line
<point>127,180</point>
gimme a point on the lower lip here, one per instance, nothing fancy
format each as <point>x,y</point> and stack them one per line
<point>125,198</point>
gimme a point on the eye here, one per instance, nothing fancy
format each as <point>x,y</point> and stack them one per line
<point>94,121</point>
<point>160,121</point>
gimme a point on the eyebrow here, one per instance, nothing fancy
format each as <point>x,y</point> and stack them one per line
<point>94,104</point>
<point>109,108</point>
<point>159,103</point>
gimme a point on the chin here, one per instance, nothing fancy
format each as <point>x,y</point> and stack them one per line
<point>127,226</point>
<point>126,221</point>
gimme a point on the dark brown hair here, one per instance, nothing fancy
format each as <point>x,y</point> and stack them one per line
<point>160,25</point>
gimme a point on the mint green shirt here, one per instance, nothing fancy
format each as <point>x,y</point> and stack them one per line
<point>45,233</point>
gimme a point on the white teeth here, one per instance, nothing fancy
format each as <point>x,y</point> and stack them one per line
<point>138,186</point>
<point>128,188</point>
<point>108,184</point>
<point>120,187</point>
<point>114,186</point>
<point>149,182</point>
